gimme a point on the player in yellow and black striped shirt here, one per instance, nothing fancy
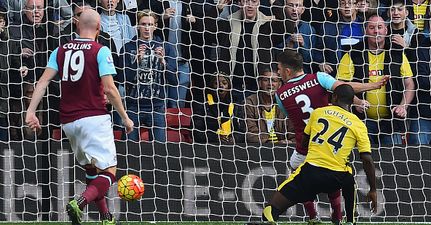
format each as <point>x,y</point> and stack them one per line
<point>330,135</point>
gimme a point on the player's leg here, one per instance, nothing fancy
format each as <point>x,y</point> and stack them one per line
<point>96,191</point>
<point>98,148</point>
<point>278,205</point>
<point>91,174</point>
<point>106,168</point>
<point>97,187</point>
<point>349,194</point>
<point>291,191</point>
<point>96,143</point>
<point>101,203</point>
<point>310,208</point>
<point>72,208</point>
<point>335,200</point>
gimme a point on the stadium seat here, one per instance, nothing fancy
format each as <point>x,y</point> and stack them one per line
<point>145,134</point>
<point>178,122</point>
<point>56,134</point>
<point>118,134</point>
<point>178,117</point>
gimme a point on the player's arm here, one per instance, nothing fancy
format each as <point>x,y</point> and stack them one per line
<point>31,118</point>
<point>305,141</point>
<point>114,98</point>
<point>106,70</point>
<point>307,130</point>
<point>330,83</point>
<point>364,148</point>
<point>345,73</point>
<point>51,70</point>
<point>362,87</point>
<point>368,165</point>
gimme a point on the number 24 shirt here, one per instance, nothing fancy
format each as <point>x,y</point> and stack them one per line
<point>334,132</point>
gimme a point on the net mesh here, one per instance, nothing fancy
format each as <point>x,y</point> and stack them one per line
<point>202,144</point>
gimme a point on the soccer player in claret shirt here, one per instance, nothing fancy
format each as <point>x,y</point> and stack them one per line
<point>85,68</point>
<point>298,97</point>
<point>330,136</point>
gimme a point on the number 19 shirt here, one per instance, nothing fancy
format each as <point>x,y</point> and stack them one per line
<point>334,132</point>
<point>80,64</point>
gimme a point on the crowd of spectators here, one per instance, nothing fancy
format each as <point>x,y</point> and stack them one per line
<point>217,58</point>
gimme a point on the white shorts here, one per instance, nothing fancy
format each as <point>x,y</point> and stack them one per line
<point>296,159</point>
<point>92,141</point>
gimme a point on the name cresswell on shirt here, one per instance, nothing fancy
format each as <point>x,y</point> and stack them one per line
<point>77,46</point>
<point>300,87</point>
<point>374,73</point>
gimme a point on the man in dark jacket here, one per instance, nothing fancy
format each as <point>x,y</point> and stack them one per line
<point>30,42</point>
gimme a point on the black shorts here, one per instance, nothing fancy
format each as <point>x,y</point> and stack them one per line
<point>309,180</point>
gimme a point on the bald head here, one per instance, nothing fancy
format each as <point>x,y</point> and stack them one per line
<point>89,23</point>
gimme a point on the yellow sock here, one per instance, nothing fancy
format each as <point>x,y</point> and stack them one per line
<point>267,214</point>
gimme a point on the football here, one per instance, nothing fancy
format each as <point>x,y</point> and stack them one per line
<point>130,187</point>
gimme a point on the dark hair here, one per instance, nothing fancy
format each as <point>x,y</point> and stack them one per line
<point>370,15</point>
<point>291,59</point>
<point>3,14</point>
<point>402,2</point>
<point>267,68</point>
<point>408,4</point>
<point>345,94</point>
<point>214,79</point>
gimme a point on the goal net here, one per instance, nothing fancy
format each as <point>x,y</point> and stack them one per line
<point>211,144</point>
